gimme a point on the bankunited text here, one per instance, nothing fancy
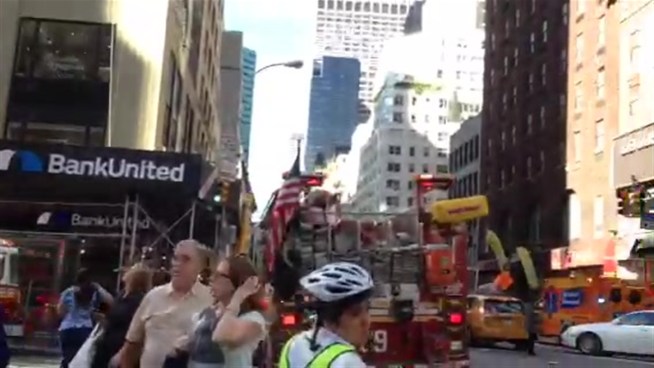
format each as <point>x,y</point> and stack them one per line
<point>115,168</point>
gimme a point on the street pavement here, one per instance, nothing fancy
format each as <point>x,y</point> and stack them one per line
<point>551,357</point>
<point>547,357</point>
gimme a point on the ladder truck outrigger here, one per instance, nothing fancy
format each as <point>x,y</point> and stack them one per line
<point>418,260</point>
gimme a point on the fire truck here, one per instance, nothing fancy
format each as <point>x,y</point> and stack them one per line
<point>418,260</point>
<point>10,295</point>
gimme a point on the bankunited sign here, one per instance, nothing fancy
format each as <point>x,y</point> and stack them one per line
<point>103,163</point>
<point>101,167</point>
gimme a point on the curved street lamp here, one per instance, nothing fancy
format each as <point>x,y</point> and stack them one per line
<point>295,64</point>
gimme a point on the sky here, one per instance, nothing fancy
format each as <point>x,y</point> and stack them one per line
<point>279,31</point>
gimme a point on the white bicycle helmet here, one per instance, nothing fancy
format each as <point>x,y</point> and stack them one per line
<point>337,281</point>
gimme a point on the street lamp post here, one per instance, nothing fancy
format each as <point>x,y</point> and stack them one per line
<point>241,244</point>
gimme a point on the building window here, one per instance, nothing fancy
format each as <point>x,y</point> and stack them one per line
<point>398,100</point>
<point>393,167</point>
<point>634,51</point>
<point>531,82</point>
<point>425,151</point>
<point>393,184</point>
<point>599,84</point>
<point>513,135</point>
<point>514,96</point>
<point>395,150</point>
<point>577,146</point>
<point>579,48</point>
<point>516,56</point>
<point>599,136</point>
<point>543,75</point>
<point>544,31</point>
<point>409,201</point>
<point>517,17</point>
<point>412,151</point>
<point>532,42</point>
<point>442,136</point>
<point>529,166</point>
<point>392,201</point>
<point>564,14</point>
<point>542,116</point>
<point>442,169</point>
<point>506,65</point>
<point>579,98</point>
<point>410,185</point>
<point>542,160</point>
<point>503,140</point>
<point>574,216</point>
<point>530,123</point>
<point>598,217</point>
<point>633,107</point>
<point>425,168</point>
<point>412,168</point>
<point>398,117</point>
<point>601,32</point>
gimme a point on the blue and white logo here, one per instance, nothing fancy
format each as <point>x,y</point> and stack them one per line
<point>67,219</point>
<point>28,160</point>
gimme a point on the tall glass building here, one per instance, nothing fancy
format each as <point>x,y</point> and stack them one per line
<point>333,109</point>
<point>247,96</point>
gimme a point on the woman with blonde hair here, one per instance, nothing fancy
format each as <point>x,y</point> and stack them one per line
<point>137,282</point>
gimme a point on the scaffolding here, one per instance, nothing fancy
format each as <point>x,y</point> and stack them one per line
<point>133,212</point>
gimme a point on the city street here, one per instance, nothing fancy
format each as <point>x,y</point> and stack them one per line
<point>548,357</point>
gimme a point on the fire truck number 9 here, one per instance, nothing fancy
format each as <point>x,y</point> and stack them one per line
<point>379,341</point>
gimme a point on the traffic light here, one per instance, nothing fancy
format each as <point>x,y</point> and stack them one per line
<point>224,191</point>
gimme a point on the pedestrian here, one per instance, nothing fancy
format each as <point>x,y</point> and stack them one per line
<point>5,353</point>
<point>164,316</point>
<point>239,301</point>
<point>137,281</point>
<point>531,325</point>
<point>75,308</point>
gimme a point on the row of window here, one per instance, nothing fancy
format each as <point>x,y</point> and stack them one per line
<point>394,201</point>
<point>397,151</point>
<point>465,154</point>
<point>465,186</point>
<point>367,6</point>
<point>397,167</point>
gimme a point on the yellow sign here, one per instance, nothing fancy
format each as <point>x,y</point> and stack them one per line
<point>459,210</point>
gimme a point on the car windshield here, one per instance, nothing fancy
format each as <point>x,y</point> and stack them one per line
<point>502,306</point>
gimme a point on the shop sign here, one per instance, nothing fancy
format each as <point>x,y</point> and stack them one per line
<point>640,140</point>
<point>78,220</point>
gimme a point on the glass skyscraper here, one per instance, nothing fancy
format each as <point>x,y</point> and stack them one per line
<point>247,96</point>
<point>333,109</point>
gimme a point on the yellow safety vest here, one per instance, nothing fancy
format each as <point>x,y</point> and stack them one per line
<point>323,359</point>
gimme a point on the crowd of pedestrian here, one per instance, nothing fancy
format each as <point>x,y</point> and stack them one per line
<point>185,322</point>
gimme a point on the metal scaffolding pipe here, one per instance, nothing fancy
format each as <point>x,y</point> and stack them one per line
<point>191,228</point>
<point>135,216</point>
<point>121,255</point>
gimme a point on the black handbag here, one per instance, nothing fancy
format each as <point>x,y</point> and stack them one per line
<point>180,360</point>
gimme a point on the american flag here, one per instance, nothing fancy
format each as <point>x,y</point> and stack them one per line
<point>286,203</point>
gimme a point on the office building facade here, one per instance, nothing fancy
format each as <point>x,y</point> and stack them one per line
<point>465,160</point>
<point>231,82</point>
<point>592,120</point>
<point>249,64</point>
<point>333,109</point>
<point>357,29</point>
<point>524,120</point>
<point>86,73</point>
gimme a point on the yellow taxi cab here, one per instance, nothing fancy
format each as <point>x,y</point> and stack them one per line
<point>496,318</point>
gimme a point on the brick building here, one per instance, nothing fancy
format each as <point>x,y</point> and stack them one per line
<point>593,114</point>
<point>524,120</point>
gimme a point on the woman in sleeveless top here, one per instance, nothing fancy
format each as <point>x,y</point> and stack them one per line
<point>228,333</point>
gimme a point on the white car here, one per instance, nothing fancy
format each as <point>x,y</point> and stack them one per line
<point>632,333</point>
